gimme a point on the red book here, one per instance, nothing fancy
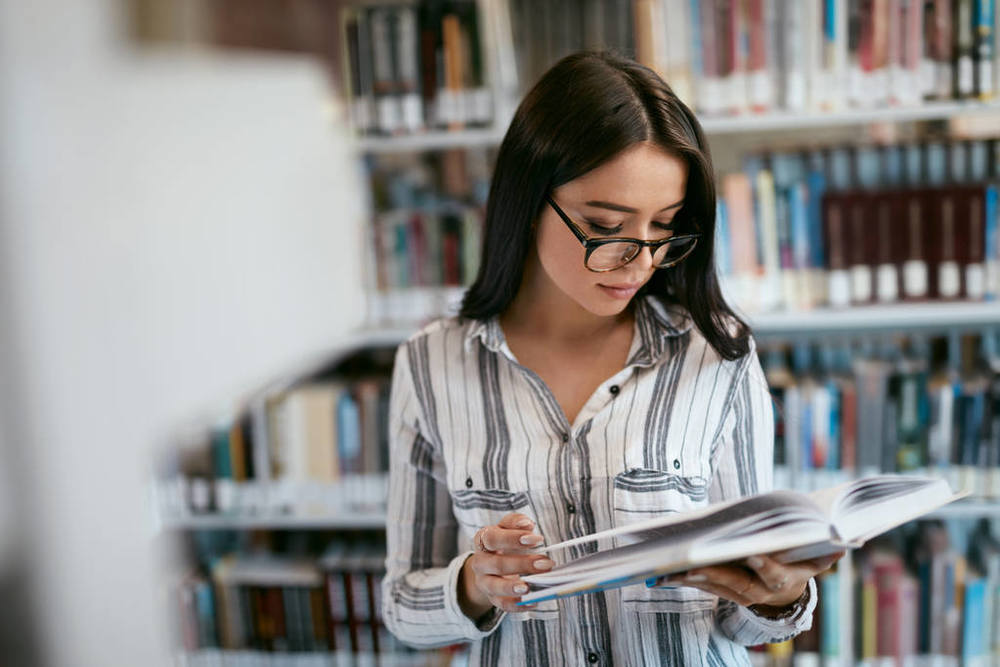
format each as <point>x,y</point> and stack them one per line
<point>889,573</point>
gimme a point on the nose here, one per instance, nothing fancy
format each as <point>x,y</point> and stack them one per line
<point>644,260</point>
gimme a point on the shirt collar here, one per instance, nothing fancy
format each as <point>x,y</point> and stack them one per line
<point>655,324</point>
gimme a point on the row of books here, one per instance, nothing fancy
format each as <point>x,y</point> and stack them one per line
<point>915,595</point>
<point>740,56</point>
<point>280,603</point>
<point>933,408</point>
<point>734,56</point>
<point>437,246</point>
<point>410,66</point>
<point>317,446</point>
<point>842,226</point>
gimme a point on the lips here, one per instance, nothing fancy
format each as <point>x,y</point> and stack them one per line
<point>621,291</point>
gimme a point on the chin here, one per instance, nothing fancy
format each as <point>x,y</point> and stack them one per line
<point>603,305</point>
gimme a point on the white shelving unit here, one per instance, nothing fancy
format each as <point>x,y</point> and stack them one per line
<point>928,317</point>
<point>775,121</point>
<point>344,521</point>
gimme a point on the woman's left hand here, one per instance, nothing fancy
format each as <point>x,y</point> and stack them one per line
<point>758,580</point>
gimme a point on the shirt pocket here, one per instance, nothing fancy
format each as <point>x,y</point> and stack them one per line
<point>640,494</point>
<point>475,508</point>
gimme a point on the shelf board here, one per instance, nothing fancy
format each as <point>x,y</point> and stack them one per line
<point>344,521</point>
<point>787,120</point>
<point>431,141</point>
<point>967,510</point>
<point>926,317</point>
<point>774,121</point>
<point>958,510</point>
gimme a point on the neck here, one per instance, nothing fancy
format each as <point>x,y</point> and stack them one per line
<point>542,310</point>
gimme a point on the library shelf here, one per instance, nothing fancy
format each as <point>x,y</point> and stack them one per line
<point>926,317</point>
<point>909,317</point>
<point>373,521</point>
<point>772,121</point>
<point>216,521</point>
<point>207,657</point>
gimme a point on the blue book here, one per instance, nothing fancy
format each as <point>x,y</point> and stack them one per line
<point>723,242</point>
<point>829,626</point>
<point>205,606</point>
<point>349,433</point>
<point>816,183</point>
<point>992,252</point>
<point>974,620</point>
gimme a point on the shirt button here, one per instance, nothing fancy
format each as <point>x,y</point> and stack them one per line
<point>614,389</point>
<point>592,658</point>
<point>677,464</point>
<point>468,482</point>
<point>571,508</point>
<point>565,437</point>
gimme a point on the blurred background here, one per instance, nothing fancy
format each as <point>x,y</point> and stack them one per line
<point>219,217</point>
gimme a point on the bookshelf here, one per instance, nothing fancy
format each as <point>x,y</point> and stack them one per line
<point>395,313</point>
<point>771,122</point>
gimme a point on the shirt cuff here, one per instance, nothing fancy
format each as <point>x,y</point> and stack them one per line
<point>798,619</point>
<point>756,629</point>
<point>471,630</point>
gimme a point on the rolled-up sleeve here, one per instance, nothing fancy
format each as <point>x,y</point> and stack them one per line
<point>743,465</point>
<point>420,589</point>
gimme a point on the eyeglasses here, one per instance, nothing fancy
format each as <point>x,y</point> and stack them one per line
<point>609,254</point>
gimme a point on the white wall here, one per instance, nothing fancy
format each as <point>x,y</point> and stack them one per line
<point>172,229</point>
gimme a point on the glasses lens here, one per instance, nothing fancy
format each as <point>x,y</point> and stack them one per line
<point>612,255</point>
<point>673,252</point>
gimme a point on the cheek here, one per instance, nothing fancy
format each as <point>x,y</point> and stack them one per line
<point>562,259</point>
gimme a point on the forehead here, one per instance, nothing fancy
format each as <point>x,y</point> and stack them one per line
<point>641,176</point>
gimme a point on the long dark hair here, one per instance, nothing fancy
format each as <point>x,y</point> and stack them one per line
<point>584,111</point>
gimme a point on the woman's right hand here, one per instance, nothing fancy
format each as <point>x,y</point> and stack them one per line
<point>491,576</point>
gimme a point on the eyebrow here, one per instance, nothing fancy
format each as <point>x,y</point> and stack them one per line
<point>627,209</point>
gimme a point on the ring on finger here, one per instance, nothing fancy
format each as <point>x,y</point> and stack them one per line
<point>477,541</point>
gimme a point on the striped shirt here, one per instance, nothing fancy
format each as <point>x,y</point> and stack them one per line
<point>475,435</point>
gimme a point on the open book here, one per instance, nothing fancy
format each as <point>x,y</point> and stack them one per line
<point>789,525</point>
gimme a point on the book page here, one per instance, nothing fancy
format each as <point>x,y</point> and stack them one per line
<point>686,525</point>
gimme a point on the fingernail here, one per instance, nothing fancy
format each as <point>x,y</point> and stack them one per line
<point>531,540</point>
<point>755,561</point>
<point>695,578</point>
<point>544,564</point>
<point>523,523</point>
<point>520,588</point>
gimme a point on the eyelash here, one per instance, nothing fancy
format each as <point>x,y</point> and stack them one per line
<point>598,228</point>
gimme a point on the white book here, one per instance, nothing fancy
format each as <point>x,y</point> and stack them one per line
<point>790,525</point>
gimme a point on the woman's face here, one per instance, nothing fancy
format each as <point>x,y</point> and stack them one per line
<point>636,195</point>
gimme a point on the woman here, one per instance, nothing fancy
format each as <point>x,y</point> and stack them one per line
<point>588,382</point>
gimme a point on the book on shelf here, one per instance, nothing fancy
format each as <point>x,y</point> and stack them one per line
<point>274,602</point>
<point>849,226</point>
<point>409,67</point>
<point>790,525</point>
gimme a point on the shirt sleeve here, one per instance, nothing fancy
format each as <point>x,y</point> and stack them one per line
<point>743,465</point>
<point>420,589</point>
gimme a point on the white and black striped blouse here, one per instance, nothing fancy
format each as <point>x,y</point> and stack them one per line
<point>475,435</point>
